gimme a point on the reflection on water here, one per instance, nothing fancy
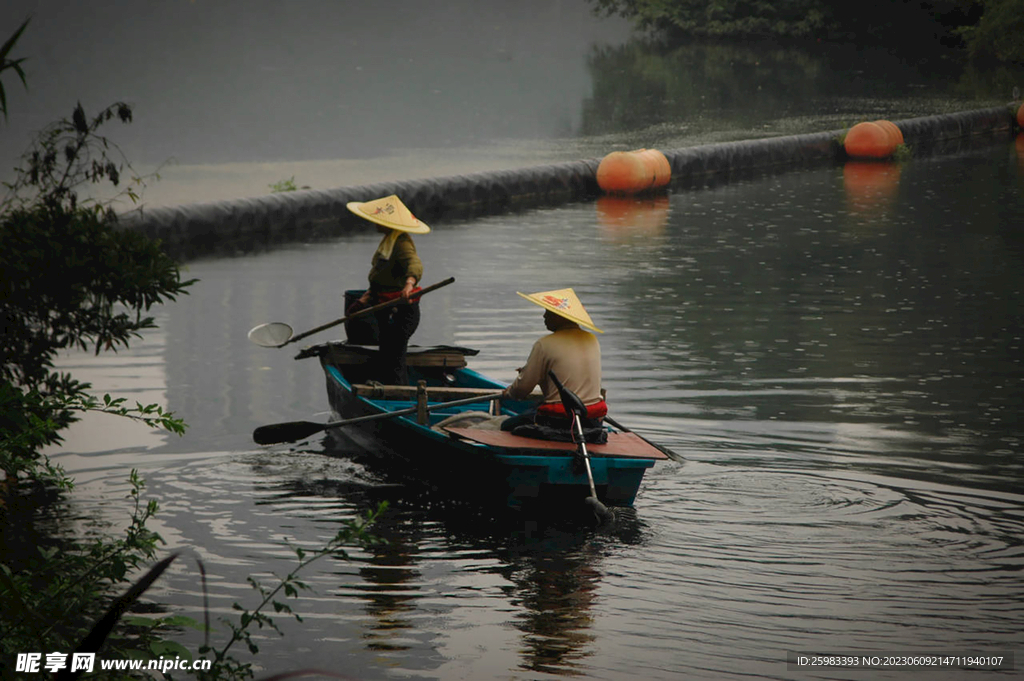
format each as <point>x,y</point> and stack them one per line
<point>556,592</point>
<point>624,218</point>
<point>688,584</point>
<point>838,360</point>
<point>871,188</point>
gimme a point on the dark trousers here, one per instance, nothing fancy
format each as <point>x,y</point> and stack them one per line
<point>532,423</point>
<point>520,419</point>
<point>395,326</point>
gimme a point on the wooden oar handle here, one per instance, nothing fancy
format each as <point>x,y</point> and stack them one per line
<point>366,311</point>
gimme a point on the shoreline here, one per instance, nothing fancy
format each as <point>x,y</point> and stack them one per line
<point>194,230</point>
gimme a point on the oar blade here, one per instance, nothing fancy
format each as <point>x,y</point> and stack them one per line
<point>292,431</point>
<point>601,512</point>
<point>272,335</point>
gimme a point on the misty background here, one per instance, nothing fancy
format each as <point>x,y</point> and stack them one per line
<point>232,96</point>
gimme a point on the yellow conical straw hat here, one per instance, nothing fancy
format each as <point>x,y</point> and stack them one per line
<point>389,212</point>
<point>565,303</point>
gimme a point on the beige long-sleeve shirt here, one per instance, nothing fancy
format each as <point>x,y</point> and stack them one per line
<point>574,355</point>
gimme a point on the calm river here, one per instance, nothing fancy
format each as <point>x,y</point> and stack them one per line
<point>837,356</point>
<point>836,353</point>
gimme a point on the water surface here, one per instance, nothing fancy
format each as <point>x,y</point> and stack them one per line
<point>836,354</point>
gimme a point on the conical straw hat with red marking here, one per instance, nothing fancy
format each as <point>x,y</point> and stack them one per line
<point>565,303</point>
<point>389,212</point>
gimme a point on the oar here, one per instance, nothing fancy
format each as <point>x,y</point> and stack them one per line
<point>574,407</point>
<point>293,431</point>
<point>279,334</point>
<point>664,450</point>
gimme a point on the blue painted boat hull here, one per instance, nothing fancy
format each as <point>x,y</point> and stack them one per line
<point>516,477</point>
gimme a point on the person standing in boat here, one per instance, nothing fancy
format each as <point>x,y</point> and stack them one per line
<point>574,356</point>
<point>395,272</point>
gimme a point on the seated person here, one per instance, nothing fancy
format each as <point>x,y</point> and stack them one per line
<point>574,356</point>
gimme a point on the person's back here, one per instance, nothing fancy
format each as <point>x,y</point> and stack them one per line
<point>573,355</point>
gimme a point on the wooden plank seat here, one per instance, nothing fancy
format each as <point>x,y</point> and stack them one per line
<point>424,395</point>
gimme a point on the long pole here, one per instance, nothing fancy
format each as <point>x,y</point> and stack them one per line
<point>366,311</point>
<point>297,430</point>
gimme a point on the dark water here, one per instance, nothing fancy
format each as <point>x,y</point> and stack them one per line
<point>836,354</point>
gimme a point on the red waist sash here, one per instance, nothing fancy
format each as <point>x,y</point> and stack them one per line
<point>386,296</point>
<point>597,410</point>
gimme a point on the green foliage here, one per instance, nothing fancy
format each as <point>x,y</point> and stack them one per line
<point>27,424</point>
<point>50,600</point>
<point>989,28</point>
<point>286,186</point>
<point>7,64</point>
<point>902,153</point>
<point>999,34</point>
<point>640,83</point>
<point>61,593</point>
<point>69,278</point>
<point>725,18</point>
<point>788,18</point>
<point>225,665</point>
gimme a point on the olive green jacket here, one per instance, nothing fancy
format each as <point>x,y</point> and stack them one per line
<point>390,274</point>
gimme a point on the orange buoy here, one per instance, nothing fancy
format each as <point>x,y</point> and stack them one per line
<point>868,140</point>
<point>894,131</point>
<point>632,172</point>
<point>621,171</point>
<point>658,164</point>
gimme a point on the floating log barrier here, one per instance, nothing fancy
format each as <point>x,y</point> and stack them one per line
<point>250,224</point>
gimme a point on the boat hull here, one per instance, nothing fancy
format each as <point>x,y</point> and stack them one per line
<point>494,467</point>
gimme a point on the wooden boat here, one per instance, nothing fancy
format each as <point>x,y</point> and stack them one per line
<point>462,446</point>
